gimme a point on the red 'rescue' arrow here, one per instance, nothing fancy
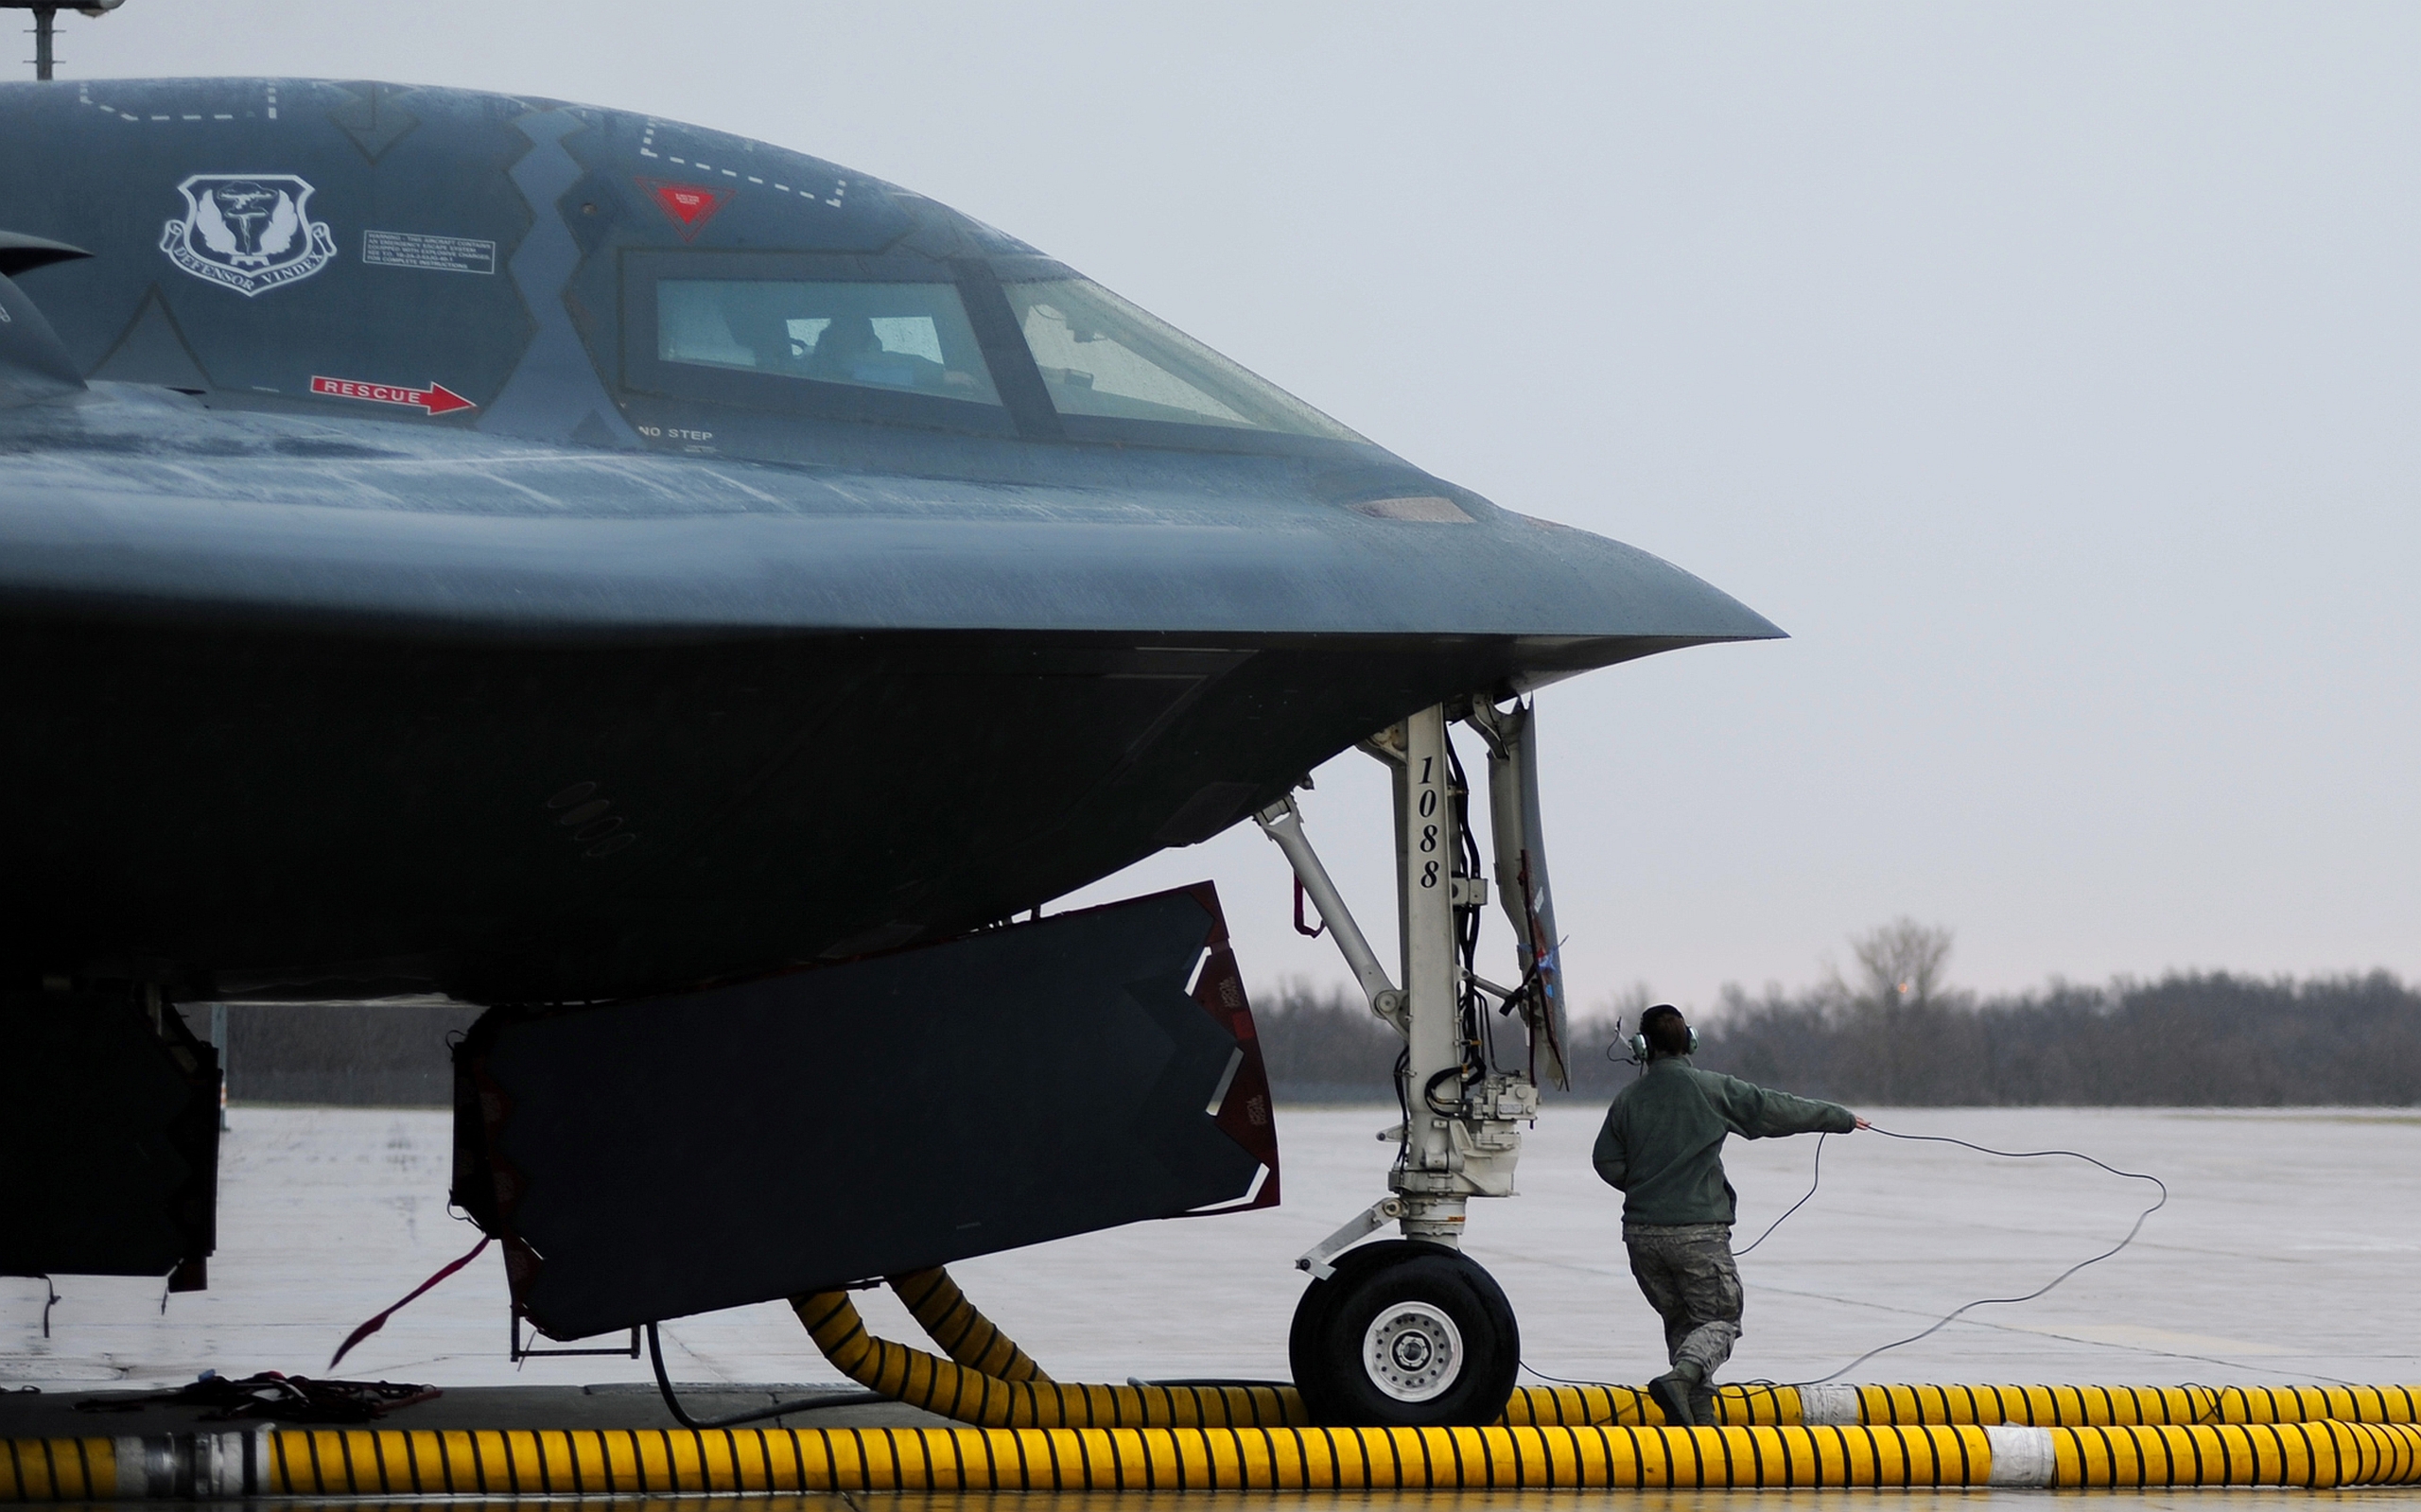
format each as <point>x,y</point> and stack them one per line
<point>436,399</point>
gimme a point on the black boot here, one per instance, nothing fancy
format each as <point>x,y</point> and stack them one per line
<point>1703,1405</point>
<point>1671,1392</point>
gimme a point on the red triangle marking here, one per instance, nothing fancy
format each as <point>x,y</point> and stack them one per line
<point>442,400</point>
<point>691,205</point>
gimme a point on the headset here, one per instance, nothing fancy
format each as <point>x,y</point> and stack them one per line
<point>1640,1052</point>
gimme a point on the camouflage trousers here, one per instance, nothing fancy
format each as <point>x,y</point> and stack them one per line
<point>1687,1276</point>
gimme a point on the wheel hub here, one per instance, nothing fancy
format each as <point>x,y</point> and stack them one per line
<point>1412,1351</point>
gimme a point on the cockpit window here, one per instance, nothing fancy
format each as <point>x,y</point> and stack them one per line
<point>908,338</point>
<point>1100,356</point>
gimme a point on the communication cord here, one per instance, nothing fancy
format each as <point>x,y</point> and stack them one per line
<point>1953,1315</point>
<point>1803,1200</point>
<point>681,1414</point>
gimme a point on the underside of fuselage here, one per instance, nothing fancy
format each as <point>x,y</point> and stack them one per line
<point>253,810</point>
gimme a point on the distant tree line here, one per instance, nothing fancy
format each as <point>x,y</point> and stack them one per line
<point>2196,1039</point>
<point>1324,1046</point>
<point>1894,1035</point>
<point>1891,1035</point>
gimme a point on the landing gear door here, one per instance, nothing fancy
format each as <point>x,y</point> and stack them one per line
<point>657,1157</point>
<point>1522,885</point>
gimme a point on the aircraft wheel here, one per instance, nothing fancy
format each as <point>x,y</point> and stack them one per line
<point>1406,1334</point>
<point>1311,1312</point>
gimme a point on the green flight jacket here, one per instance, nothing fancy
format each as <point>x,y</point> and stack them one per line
<point>1663,1143</point>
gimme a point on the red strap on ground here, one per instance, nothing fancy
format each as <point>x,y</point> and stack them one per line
<point>380,1320</point>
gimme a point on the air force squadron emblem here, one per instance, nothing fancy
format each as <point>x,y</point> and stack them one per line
<point>251,232</point>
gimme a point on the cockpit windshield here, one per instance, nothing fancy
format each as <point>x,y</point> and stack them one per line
<point>787,332</point>
<point>902,336</point>
<point>1101,355</point>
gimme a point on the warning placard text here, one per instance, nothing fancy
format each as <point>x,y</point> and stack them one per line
<point>435,254</point>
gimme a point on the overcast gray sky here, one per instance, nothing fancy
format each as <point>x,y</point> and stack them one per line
<point>2048,370</point>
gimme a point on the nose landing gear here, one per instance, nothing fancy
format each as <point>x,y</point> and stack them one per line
<point>1410,1332</point>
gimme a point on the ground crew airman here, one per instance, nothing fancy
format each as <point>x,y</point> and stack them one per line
<point>1662,1147</point>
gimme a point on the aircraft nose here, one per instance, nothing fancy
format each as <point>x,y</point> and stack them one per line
<point>1500,571</point>
<point>1595,575</point>
<point>1450,561</point>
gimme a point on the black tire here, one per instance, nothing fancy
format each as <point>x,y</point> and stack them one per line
<point>1441,1341</point>
<point>1310,1314</point>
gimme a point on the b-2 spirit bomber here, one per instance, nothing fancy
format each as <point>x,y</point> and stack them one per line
<point>700,602</point>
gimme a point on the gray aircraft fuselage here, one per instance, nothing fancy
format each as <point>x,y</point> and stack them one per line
<point>542,554</point>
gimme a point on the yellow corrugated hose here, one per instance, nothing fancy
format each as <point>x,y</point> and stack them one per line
<point>337,1463</point>
<point>1984,1405</point>
<point>2112,1406</point>
<point>969,1396</point>
<point>1037,1434</point>
<point>964,1335</point>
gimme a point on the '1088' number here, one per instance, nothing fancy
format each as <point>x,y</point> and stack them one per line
<point>1428,804</point>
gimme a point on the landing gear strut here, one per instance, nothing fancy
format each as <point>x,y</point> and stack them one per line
<point>1411,1333</point>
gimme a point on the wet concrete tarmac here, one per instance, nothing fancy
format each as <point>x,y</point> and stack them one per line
<point>2286,1253</point>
